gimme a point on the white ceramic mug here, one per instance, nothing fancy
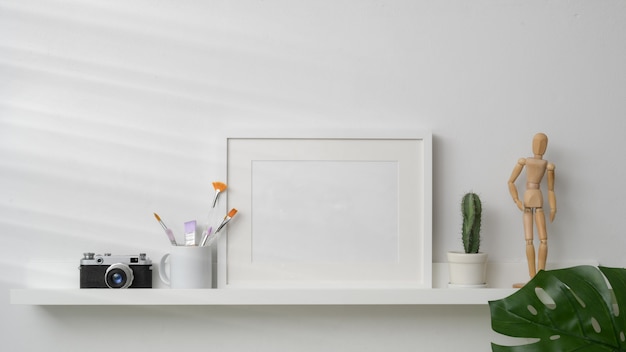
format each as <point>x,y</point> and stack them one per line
<point>189,267</point>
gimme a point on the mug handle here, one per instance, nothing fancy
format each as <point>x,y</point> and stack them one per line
<point>164,277</point>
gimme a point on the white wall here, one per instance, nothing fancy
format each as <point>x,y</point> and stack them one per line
<point>107,109</point>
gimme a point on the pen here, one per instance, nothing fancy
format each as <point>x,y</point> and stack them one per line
<point>168,231</point>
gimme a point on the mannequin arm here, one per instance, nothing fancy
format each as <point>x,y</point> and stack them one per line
<point>551,194</point>
<point>517,170</point>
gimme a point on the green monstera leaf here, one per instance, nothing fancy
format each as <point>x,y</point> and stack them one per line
<point>569,309</point>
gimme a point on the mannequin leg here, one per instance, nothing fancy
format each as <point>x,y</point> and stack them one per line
<point>542,232</point>
<point>528,235</point>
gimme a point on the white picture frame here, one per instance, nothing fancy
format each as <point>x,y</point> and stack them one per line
<point>339,209</point>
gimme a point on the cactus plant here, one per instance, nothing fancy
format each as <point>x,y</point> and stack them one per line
<point>471,208</point>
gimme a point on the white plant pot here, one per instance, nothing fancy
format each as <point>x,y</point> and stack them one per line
<point>467,270</point>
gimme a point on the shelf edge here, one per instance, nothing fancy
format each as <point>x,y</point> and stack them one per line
<point>219,297</point>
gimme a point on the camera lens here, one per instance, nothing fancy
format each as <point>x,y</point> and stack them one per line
<point>118,276</point>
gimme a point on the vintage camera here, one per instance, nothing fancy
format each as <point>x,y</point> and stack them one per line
<point>115,271</point>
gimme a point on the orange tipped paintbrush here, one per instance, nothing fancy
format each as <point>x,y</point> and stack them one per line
<point>227,219</point>
<point>168,231</point>
<point>212,238</point>
<point>219,188</point>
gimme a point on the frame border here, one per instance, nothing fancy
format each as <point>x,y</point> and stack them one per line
<point>425,137</point>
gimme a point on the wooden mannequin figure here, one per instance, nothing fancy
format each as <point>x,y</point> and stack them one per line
<point>532,206</point>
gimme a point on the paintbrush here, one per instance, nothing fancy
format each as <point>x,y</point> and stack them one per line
<point>168,231</point>
<point>211,239</point>
<point>206,236</point>
<point>227,219</point>
<point>217,233</point>
<point>219,188</point>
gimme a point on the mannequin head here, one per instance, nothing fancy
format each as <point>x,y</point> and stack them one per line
<point>540,144</point>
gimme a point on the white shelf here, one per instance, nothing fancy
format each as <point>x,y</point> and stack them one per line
<point>39,291</point>
<point>435,296</point>
<point>499,275</point>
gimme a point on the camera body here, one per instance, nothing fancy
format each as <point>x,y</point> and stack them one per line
<point>115,271</point>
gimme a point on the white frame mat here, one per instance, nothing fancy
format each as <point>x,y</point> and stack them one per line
<point>328,210</point>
